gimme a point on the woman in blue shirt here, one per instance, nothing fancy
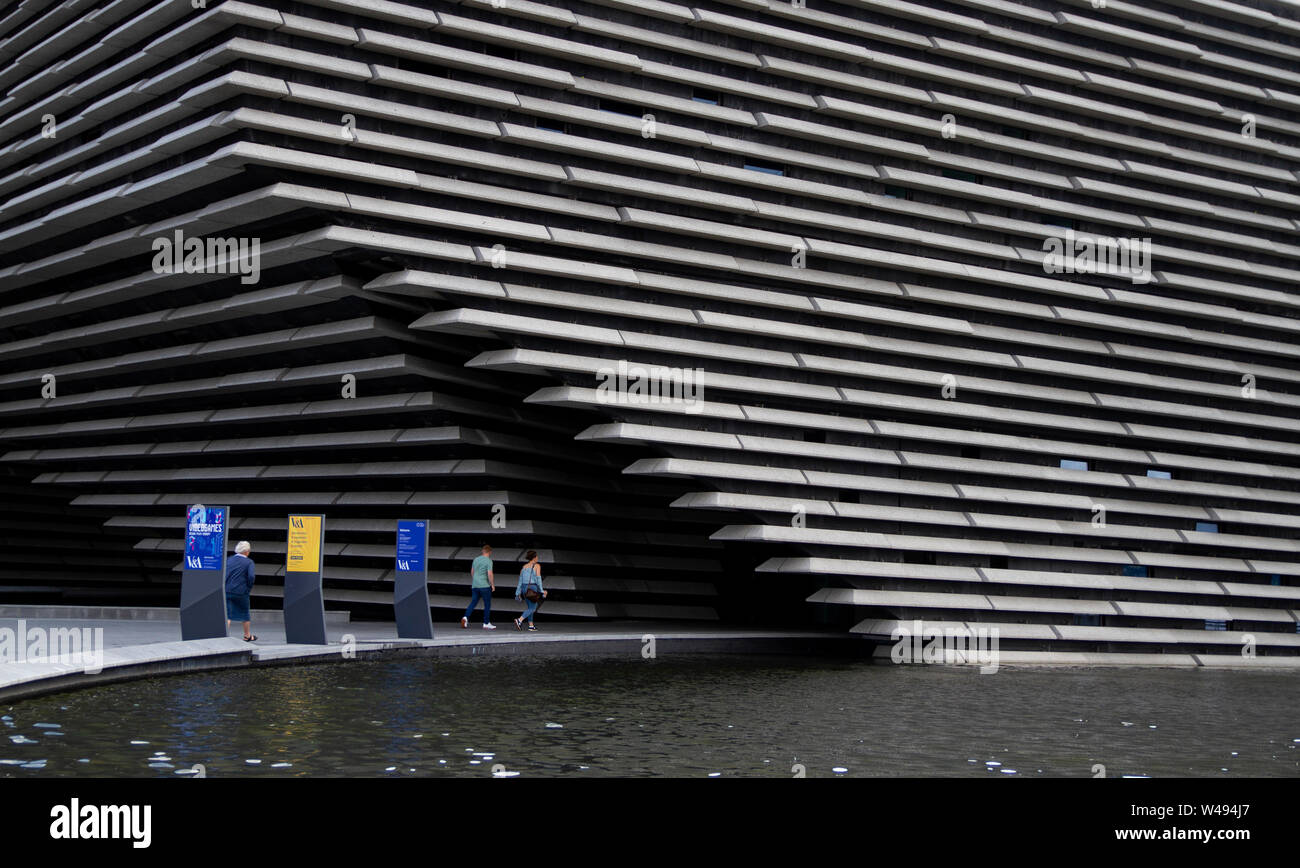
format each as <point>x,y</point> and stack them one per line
<point>240,576</point>
<point>530,581</point>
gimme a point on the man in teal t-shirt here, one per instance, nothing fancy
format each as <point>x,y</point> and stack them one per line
<point>482,584</point>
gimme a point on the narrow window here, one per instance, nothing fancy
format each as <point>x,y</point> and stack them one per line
<point>958,175</point>
<point>767,168</point>
<point>620,108</point>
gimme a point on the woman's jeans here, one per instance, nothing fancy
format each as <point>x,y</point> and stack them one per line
<point>529,610</point>
<point>484,594</point>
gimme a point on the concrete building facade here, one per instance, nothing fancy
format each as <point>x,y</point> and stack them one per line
<point>975,312</point>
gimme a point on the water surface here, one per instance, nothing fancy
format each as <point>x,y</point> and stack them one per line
<point>679,715</point>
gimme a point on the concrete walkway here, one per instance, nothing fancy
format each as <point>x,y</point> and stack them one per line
<point>137,643</point>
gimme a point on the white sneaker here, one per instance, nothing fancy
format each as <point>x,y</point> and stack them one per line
<point>489,626</point>
<point>464,622</point>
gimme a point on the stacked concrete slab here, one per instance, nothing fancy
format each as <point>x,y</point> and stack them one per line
<point>468,214</point>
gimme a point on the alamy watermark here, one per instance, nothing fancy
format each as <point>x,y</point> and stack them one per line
<point>635,384</point>
<point>1098,254</point>
<point>922,643</point>
<point>82,647</point>
<point>181,254</point>
<point>89,822</point>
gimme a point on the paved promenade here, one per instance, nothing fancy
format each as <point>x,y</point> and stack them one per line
<point>141,642</point>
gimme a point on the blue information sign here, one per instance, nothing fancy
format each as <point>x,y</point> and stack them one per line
<point>205,538</point>
<point>203,572</point>
<point>412,539</point>
<point>410,580</point>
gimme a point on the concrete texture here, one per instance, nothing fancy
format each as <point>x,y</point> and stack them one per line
<point>632,180</point>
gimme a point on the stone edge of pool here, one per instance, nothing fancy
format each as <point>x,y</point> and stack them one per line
<point>22,680</point>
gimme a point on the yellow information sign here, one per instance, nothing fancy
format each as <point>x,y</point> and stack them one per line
<point>304,544</point>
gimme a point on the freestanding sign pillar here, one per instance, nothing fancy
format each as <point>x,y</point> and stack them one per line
<point>411,581</point>
<point>304,599</point>
<point>203,578</point>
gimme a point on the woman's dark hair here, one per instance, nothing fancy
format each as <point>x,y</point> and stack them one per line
<point>529,555</point>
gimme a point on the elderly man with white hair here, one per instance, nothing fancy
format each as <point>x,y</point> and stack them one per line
<point>239,586</point>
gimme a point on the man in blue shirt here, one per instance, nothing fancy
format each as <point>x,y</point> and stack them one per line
<point>240,576</point>
<point>482,584</point>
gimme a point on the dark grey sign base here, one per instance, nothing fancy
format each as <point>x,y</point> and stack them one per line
<point>304,609</point>
<point>203,604</point>
<point>411,606</point>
